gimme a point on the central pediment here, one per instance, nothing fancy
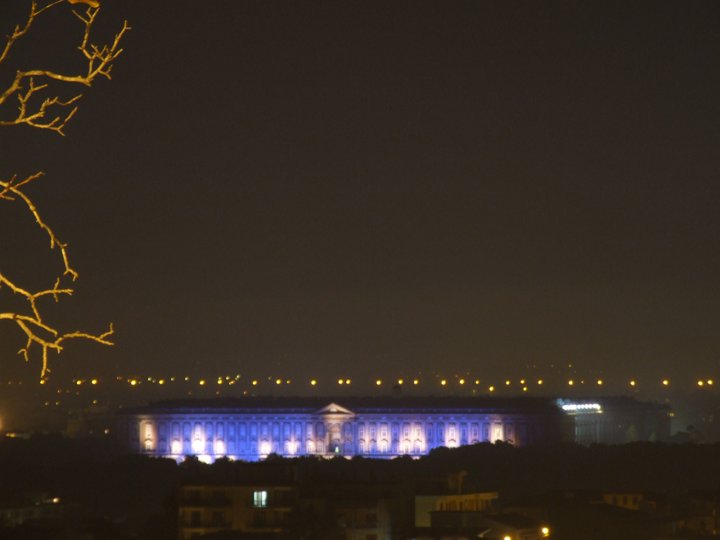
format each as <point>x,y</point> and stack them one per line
<point>334,408</point>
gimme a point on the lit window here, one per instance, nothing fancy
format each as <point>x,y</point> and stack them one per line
<point>260,499</point>
<point>219,447</point>
<point>198,445</point>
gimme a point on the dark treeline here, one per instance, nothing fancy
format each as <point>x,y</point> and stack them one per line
<point>140,492</point>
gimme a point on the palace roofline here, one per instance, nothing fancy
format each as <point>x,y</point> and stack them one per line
<point>355,404</point>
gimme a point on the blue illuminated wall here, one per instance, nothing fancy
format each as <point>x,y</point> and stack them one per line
<point>251,434</point>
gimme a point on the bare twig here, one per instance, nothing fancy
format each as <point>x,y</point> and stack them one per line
<point>34,110</point>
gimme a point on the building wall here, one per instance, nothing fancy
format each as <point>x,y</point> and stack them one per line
<point>251,436</point>
<point>257,509</point>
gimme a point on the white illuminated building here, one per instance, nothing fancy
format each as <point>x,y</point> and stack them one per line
<point>253,428</point>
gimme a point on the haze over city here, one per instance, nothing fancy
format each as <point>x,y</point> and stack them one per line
<point>385,190</point>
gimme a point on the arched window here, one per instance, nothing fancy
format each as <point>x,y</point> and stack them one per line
<point>383,446</point>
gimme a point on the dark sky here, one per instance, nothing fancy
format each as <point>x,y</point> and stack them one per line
<point>377,187</point>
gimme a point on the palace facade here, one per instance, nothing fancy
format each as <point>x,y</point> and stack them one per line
<point>252,428</point>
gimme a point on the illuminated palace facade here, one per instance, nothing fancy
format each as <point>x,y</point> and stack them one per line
<point>252,428</point>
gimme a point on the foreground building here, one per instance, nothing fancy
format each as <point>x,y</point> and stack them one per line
<point>253,428</point>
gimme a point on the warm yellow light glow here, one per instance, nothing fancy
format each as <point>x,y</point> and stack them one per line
<point>378,382</point>
<point>313,382</point>
<point>571,382</point>
<point>278,381</point>
<point>632,383</point>
<point>477,381</point>
<point>710,382</point>
<point>254,383</point>
<point>540,381</point>
<point>201,382</point>
<point>133,382</point>
<point>491,388</point>
<point>666,382</point>
<point>94,381</point>
<point>341,381</point>
<point>78,382</point>
<point>507,383</point>
<point>400,381</point>
<point>288,381</point>
<point>416,382</point>
<point>220,380</point>
<point>545,531</point>
<point>507,537</point>
<point>522,381</point>
<point>462,381</point>
<point>161,381</point>
<point>524,388</point>
<point>42,381</point>
<point>347,381</point>
<point>700,383</point>
<point>599,382</point>
<point>443,382</point>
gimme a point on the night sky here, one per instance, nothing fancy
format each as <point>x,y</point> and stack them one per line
<point>355,187</point>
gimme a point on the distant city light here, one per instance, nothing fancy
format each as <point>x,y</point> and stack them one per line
<point>462,381</point>
<point>700,383</point>
<point>633,383</point>
<point>416,382</point>
<point>341,381</point>
<point>400,381</point>
<point>313,382</point>
<point>599,382</point>
<point>540,381</point>
<point>378,382</point>
<point>491,388</point>
<point>571,382</point>
<point>665,382</point>
<point>443,382</point>
<point>572,407</point>
<point>710,382</point>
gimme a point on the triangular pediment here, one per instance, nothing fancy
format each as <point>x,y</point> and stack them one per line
<point>334,408</point>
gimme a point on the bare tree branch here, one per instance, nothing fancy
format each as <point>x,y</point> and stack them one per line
<point>99,63</point>
<point>34,110</point>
